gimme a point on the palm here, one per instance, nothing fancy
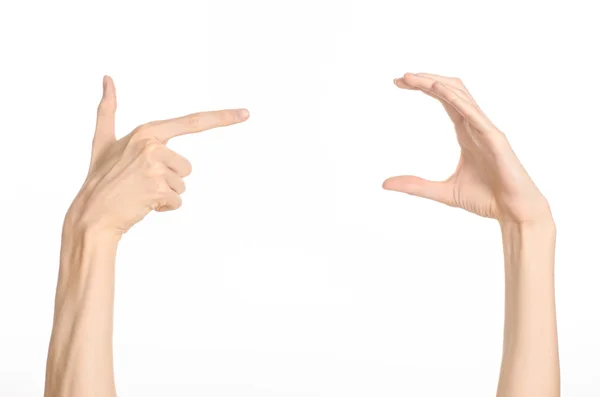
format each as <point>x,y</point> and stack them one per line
<point>470,190</point>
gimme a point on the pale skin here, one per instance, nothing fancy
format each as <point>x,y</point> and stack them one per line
<point>127,179</point>
<point>491,182</point>
<point>137,174</point>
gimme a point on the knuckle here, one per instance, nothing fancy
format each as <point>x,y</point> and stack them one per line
<point>194,120</point>
<point>458,81</point>
<point>154,172</point>
<point>167,203</point>
<point>152,146</point>
<point>144,130</point>
<point>149,151</point>
<point>224,118</point>
<point>140,130</point>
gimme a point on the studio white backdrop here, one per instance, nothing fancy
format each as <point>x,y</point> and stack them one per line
<point>289,271</point>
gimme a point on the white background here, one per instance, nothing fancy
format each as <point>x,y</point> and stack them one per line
<point>289,271</point>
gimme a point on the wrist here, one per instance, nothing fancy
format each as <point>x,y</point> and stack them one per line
<point>540,227</point>
<point>78,223</point>
<point>87,259</point>
<point>529,246</point>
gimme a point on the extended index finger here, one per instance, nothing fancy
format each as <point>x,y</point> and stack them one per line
<point>196,122</point>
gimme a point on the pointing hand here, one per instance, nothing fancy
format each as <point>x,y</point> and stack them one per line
<point>136,174</point>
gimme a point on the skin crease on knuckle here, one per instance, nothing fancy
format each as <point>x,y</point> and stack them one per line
<point>229,117</point>
<point>139,173</point>
<point>168,202</point>
<point>208,120</point>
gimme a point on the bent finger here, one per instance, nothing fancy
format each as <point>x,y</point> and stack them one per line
<point>175,182</point>
<point>174,161</point>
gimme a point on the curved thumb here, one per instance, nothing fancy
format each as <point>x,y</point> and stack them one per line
<point>415,186</point>
<point>105,122</point>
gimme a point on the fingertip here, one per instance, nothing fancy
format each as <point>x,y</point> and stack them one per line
<point>109,82</point>
<point>402,183</point>
<point>109,99</point>
<point>387,184</point>
<point>243,114</point>
<point>408,77</point>
<point>401,82</point>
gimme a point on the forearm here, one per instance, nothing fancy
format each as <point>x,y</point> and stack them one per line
<point>80,361</point>
<point>530,366</point>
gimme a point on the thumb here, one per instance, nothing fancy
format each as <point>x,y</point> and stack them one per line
<point>415,186</point>
<point>105,122</point>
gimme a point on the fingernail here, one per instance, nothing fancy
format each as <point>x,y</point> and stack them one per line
<point>243,114</point>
